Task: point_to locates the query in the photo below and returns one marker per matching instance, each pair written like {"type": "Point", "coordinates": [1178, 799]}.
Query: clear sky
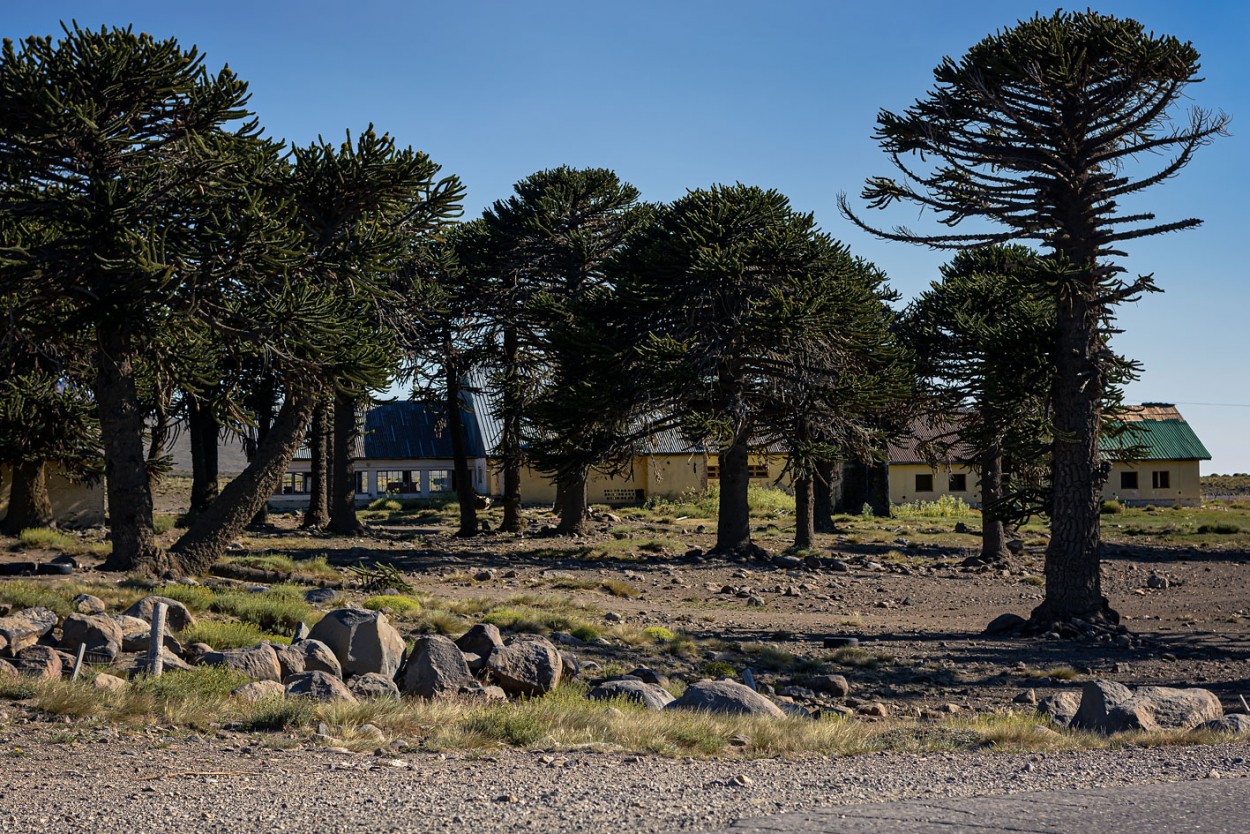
{"type": "Point", "coordinates": [676, 95]}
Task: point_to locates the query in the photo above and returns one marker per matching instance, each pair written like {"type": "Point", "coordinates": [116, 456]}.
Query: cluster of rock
{"type": "Point", "coordinates": [649, 689]}
{"type": "Point", "coordinates": [1109, 707]}
{"type": "Point", "coordinates": [1008, 625]}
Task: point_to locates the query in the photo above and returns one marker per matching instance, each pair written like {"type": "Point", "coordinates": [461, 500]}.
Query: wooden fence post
{"type": "Point", "coordinates": [156, 642]}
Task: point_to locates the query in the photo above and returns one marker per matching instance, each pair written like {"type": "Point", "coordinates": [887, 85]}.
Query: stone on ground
{"type": "Point", "coordinates": [834, 685]}
{"type": "Point", "coordinates": [109, 683]}
{"type": "Point", "coordinates": [319, 685]}
{"type": "Point", "coordinates": [307, 656]}
{"type": "Point", "coordinates": [1164, 708]}
{"type": "Point", "coordinates": [639, 692]}
{"type": "Point", "coordinates": [88, 604]}
{"type": "Point", "coordinates": [101, 635]}
{"type": "Point", "coordinates": [1098, 698]}
{"type": "Point", "coordinates": [363, 641]}
{"type": "Point", "coordinates": [24, 628]}
{"type": "Point", "coordinates": [259, 691]}
{"type": "Point", "coordinates": [1236, 723]}
{"type": "Point", "coordinates": [41, 662]}
{"type": "Point", "coordinates": [373, 685]}
{"type": "Point", "coordinates": [480, 640]}
{"type": "Point", "coordinates": [177, 615]}
{"type": "Point", "coordinates": [1060, 706]}
{"type": "Point", "coordinates": [727, 697]}
{"type": "Point", "coordinates": [529, 665]}
{"type": "Point", "coordinates": [1004, 623]}
{"type": "Point", "coordinates": [259, 662]}
{"type": "Point", "coordinates": [436, 668]}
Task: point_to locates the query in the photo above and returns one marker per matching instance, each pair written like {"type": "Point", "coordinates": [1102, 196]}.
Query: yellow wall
{"type": "Point", "coordinates": [1184, 486]}
{"type": "Point", "coordinates": [73, 504]}
{"type": "Point", "coordinates": [903, 483]}
{"type": "Point", "coordinates": [776, 464]}
{"type": "Point", "coordinates": [662, 476]}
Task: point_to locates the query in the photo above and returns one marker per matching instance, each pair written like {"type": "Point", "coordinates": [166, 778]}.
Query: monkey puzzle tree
{"type": "Point", "coordinates": [1042, 130]}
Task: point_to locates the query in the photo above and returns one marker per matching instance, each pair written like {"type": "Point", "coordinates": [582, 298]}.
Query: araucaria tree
{"type": "Point", "coordinates": [1042, 130]}
{"type": "Point", "coordinates": [750, 322]}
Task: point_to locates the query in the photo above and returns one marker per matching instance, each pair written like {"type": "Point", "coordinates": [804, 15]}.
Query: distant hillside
{"type": "Point", "coordinates": [1216, 486]}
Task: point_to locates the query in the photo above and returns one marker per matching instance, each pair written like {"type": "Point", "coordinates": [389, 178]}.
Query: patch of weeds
{"type": "Point", "coordinates": [1034, 580]}
{"type": "Point", "coordinates": [279, 713]}
{"type": "Point", "coordinates": [717, 669]}
{"type": "Point", "coordinates": [195, 597]}
{"type": "Point", "coordinates": [388, 504]}
{"type": "Point", "coordinates": [857, 658]}
{"type": "Point", "coordinates": [1058, 673]}
{"type": "Point", "coordinates": [1111, 508]}
{"type": "Point", "coordinates": [439, 622]}
{"type": "Point", "coordinates": [315, 567]}
{"type": "Point", "coordinates": [198, 682]}
{"type": "Point", "coordinates": [270, 611]}
{"type": "Point", "coordinates": [1218, 529]}
{"type": "Point", "coordinates": [659, 634]}
{"type": "Point", "coordinates": [620, 588]}
{"type": "Point", "coordinates": [42, 538]}
{"type": "Point", "coordinates": [947, 506]}
{"type": "Point", "coordinates": [507, 725]}
{"type": "Point", "coordinates": [226, 635]}
{"type": "Point", "coordinates": [769, 658]}
{"type": "Point", "coordinates": [25, 593]}
{"type": "Point", "coordinates": [163, 522]}
{"type": "Point", "coordinates": [395, 604]}
{"type": "Point", "coordinates": [585, 633]}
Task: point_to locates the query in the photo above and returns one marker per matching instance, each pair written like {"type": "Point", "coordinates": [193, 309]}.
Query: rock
{"type": "Point", "coordinates": [755, 602]}
{"type": "Point", "coordinates": [726, 697]}
{"type": "Point", "coordinates": [319, 685]}
{"type": "Point", "coordinates": [787, 561]}
{"type": "Point", "coordinates": [528, 666]}
{"type": "Point", "coordinates": [259, 691]}
{"type": "Point", "coordinates": [648, 675]}
{"type": "Point", "coordinates": [363, 641]}
{"type": "Point", "coordinates": [39, 662]}
{"type": "Point", "coordinates": [301, 633]}
{"type": "Point", "coordinates": [320, 596]}
{"type": "Point", "coordinates": [1004, 623]}
{"type": "Point", "coordinates": [177, 615]}
{"type": "Point", "coordinates": [1157, 582]}
{"type": "Point", "coordinates": [1236, 723]}
{"type": "Point", "coordinates": [840, 642]}
{"type": "Point", "coordinates": [307, 656]}
{"type": "Point", "coordinates": [171, 661]}
{"type": "Point", "coordinates": [7, 670]}
{"type": "Point", "coordinates": [480, 640]}
{"type": "Point", "coordinates": [876, 708]}
{"type": "Point", "coordinates": [373, 685]}
{"type": "Point", "coordinates": [570, 668]}
{"type": "Point", "coordinates": [834, 685]}
{"type": "Point", "coordinates": [1015, 546]}
{"type": "Point", "coordinates": [88, 604]}
{"type": "Point", "coordinates": [613, 617]}
{"type": "Point", "coordinates": [109, 683]}
{"type": "Point", "coordinates": [137, 634]}
{"type": "Point", "coordinates": [1098, 697]}
{"type": "Point", "coordinates": [1027, 696]}
{"type": "Point", "coordinates": [101, 635]}
{"type": "Point", "coordinates": [795, 710]}
{"type": "Point", "coordinates": [24, 628]}
{"type": "Point", "coordinates": [259, 662]}
{"type": "Point", "coordinates": [1164, 708]}
{"type": "Point", "coordinates": [645, 694]}
{"type": "Point", "coordinates": [195, 651]}
{"type": "Point", "coordinates": [436, 668]}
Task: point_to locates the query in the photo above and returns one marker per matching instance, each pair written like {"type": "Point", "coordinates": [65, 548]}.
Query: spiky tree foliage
{"type": "Point", "coordinates": [548, 242]}
{"type": "Point", "coordinates": [749, 318]}
{"type": "Point", "coordinates": [1042, 130]}
{"type": "Point", "coordinates": [983, 340]}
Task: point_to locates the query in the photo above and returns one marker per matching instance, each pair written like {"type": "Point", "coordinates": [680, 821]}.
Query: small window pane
{"type": "Point", "coordinates": [924, 483]}
{"type": "Point", "coordinates": [1161, 480]}
{"type": "Point", "coordinates": [959, 483]}
{"type": "Point", "coordinates": [1128, 480]}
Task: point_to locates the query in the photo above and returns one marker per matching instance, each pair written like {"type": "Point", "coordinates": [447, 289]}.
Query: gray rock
{"type": "Point", "coordinates": [480, 640]}
{"type": "Point", "coordinates": [101, 635]}
{"type": "Point", "coordinates": [109, 683]}
{"type": "Point", "coordinates": [726, 697]}
{"type": "Point", "coordinates": [1098, 698]}
{"type": "Point", "coordinates": [649, 675]}
{"type": "Point", "coordinates": [24, 628]}
{"type": "Point", "coordinates": [1235, 723]}
{"type": "Point", "coordinates": [569, 667]}
{"type": "Point", "coordinates": [171, 663]}
{"type": "Point", "coordinates": [307, 656]}
{"type": "Point", "coordinates": [137, 634]}
{"type": "Point", "coordinates": [301, 633]}
{"type": "Point", "coordinates": [320, 596]}
{"type": "Point", "coordinates": [363, 641]}
{"type": "Point", "coordinates": [436, 668]}
{"type": "Point", "coordinates": [530, 665]}
{"type": "Point", "coordinates": [259, 662]}
{"type": "Point", "coordinates": [88, 604]}
{"type": "Point", "coordinates": [177, 615]}
{"type": "Point", "coordinates": [795, 710]}
{"type": "Point", "coordinates": [259, 691]}
{"type": "Point", "coordinates": [1164, 708]}
{"type": "Point", "coordinates": [319, 685]}
{"type": "Point", "coordinates": [373, 685]}
{"type": "Point", "coordinates": [39, 662]}
{"type": "Point", "coordinates": [1004, 623]}
{"type": "Point", "coordinates": [834, 685]}
{"type": "Point", "coordinates": [7, 670]}
{"type": "Point", "coordinates": [647, 695]}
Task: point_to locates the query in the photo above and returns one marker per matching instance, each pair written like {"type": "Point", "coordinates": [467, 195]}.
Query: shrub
{"type": "Point", "coordinates": [1219, 529]}
{"type": "Point", "coordinates": [585, 633]}
{"type": "Point", "coordinates": [385, 504]}
{"type": "Point", "coordinates": [659, 634]}
{"type": "Point", "coordinates": [946, 506]}
{"type": "Point", "coordinates": [279, 713]}
{"type": "Point", "coordinates": [1111, 507]}
{"type": "Point", "coordinates": [270, 611]}
{"type": "Point", "coordinates": [719, 669]}
{"type": "Point", "coordinates": [393, 602]}
{"type": "Point", "coordinates": [162, 522]}
{"type": "Point", "coordinates": [226, 635]}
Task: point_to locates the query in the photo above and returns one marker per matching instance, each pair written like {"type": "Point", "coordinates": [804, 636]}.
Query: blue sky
{"type": "Point", "coordinates": [676, 95]}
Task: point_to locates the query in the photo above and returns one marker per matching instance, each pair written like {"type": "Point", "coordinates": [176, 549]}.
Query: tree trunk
{"type": "Point", "coordinates": [343, 518]}
{"type": "Point", "coordinates": [804, 507]}
{"type": "Point", "coordinates": [203, 429]}
{"type": "Point", "coordinates": [29, 505]}
{"type": "Point", "coordinates": [993, 531]}
{"type": "Point", "coordinates": [510, 434]}
{"type": "Point", "coordinates": [1073, 579]}
{"type": "Point", "coordinates": [877, 489]}
{"type": "Point", "coordinates": [854, 488]}
{"type": "Point", "coordinates": [159, 437]}
{"type": "Point", "coordinates": [733, 522]}
{"type": "Point", "coordinates": [263, 401]}
{"type": "Point", "coordinates": [202, 545]}
{"type": "Point", "coordinates": [318, 513]}
{"type": "Point", "coordinates": [572, 508]}
{"type": "Point", "coordinates": [466, 495]}
{"type": "Point", "coordinates": [822, 497]}
{"type": "Point", "coordinates": [125, 466]}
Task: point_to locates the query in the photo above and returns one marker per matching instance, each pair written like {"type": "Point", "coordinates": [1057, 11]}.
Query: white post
{"type": "Point", "coordinates": [82, 650]}
{"type": "Point", "coordinates": [156, 641]}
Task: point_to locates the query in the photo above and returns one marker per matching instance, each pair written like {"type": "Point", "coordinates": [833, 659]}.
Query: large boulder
{"type": "Point", "coordinates": [1061, 707]}
{"type": "Point", "coordinates": [480, 640]}
{"type": "Point", "coordinates": [307, 656]}
{"type": "Point", "coordinates": [259, 662]}
{"type": "Point", "coordinates": [373, 685]}
{"type": "Point", "coordinates": [1236, 723]}
{"type": "Point", "coordinates": [1164, 708]}
{"type": "Point", "coordinates": [727, 697]}
{"type": "Point", "coordinates": [436, 668]}
{"type": "Point", "coordinates": [363, 641]}
{"type": "Point", "coordinates": [24, 628]}
{"type": "Point", "coordinates": [258, 691]}
{"type": "Point", "coordinates": [645, 694]}
{"type": "Point", "coordinates": [529, 665]}
{"type": "Point", "coordinates": [137, 634]}
{"type": "Point", "coordinates": [88, 604]}
{"type": "Point", "coordinates": [39, 662]}
{"type": "Point", "coordinates": [101, 635]}
{"type": "Point", "coordinates": [1099, 697]}
{"type": "Point", "coordinates": [109, 683]}
{"type": "Point", "coordinates": [177, 615]}
{"type": "Point", "coordinates": [834, 685]}
{"type": "Point", "coordinates": [319, 685]}
{"type": "Point", "coordinates": [170, 662]}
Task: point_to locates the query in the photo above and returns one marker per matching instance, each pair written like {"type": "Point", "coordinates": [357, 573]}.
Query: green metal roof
{"type": "Point", "coordinates": [1170, 439]}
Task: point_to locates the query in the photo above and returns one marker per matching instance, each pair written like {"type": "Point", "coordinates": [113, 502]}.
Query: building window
{"type": "Point", "coordinates": [958, 483]}
{"type": "Point", "coordinates": [295, 483]}
{"type": "Point", "coordinates": [924, 483]}
{"type": "Point", "coordinates": [362, 483]}
{"type": "Point", "coordinates": [757, 470]}
{"type": "Point", "coordinates": [399, 482]}
{"type": "Point", "coordinates": [713, 471]}
{"type": "Point", "coordinates": [1161, 480]}
{"type": "Point", "coordinates": [1128, 480]}
{"type": "Point", "coordinates": [440, 480]}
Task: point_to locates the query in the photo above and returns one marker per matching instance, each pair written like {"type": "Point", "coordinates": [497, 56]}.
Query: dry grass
{"type": "Point", "coordinates": [42, 538]}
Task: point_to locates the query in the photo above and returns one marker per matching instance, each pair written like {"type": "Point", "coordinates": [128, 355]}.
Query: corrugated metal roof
{"type": "Point", "coordinates": [924, 432]}
{"type": "Point", "coordinates": [407, 430]}
{"type": "Point", "coordinates": [1148, 439]}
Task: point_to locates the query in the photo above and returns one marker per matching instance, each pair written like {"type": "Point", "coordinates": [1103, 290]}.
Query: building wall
{"type": "Point", "coordinates": [376, 481]}
{"type": "Point", "coordinates": [651, 476]}
{"type": "Point", "coordinates": [74, 504]}
{"type": "Point", "coordinates": [1184, 486]}
{"type": "Point", "coordinates": [903, 483]}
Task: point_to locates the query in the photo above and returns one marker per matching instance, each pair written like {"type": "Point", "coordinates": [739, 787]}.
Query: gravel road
{"type": "Point", "coordinates": [232, 785]}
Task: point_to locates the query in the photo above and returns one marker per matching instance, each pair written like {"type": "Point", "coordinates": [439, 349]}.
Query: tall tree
{"type": "Point", "coordinates": [1041, 129]}
{"type": "Point", "coordinates": [741, 309]}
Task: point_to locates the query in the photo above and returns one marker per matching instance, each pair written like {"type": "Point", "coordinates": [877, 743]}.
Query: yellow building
{"type": "Point", "coordinates": [74, 503]}
{"type": "Point", "coordinates": [1154, 457]}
